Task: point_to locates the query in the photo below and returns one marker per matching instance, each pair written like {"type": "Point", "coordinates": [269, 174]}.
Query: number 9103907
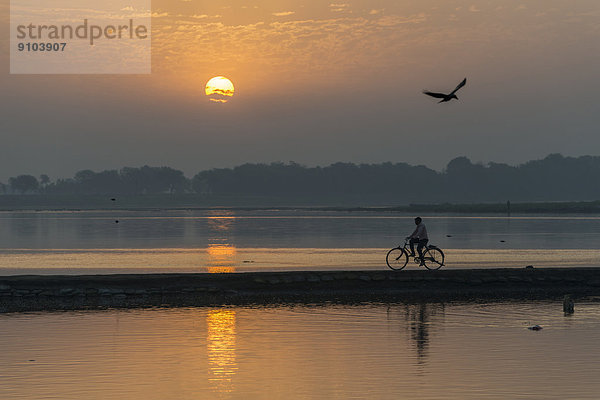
{"type": "Point", "coordinates": [41, 46]}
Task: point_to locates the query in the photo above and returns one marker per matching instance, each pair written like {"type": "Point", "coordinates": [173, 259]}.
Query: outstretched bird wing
{"type": "Point", "coordinates": [433, 94]}
{"type": "Point", "coordinates": [463, 83]}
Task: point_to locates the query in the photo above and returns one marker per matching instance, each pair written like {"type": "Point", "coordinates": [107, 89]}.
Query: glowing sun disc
{"type": "Point", "coordinates": [219, 89]}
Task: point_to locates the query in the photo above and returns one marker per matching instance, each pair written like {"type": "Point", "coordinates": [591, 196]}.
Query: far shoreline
{"type": "Point", "coordinates": [353, 204]}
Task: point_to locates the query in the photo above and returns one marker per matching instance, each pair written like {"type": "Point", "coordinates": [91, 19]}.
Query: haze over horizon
{"type": "Point", "coordinates": [317, 83]}
{"type": "Point", "coordinates": [278, 163]}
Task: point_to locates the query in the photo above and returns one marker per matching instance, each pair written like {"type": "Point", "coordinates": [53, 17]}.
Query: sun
{"type": "Point", "coordinates": [219, 89]}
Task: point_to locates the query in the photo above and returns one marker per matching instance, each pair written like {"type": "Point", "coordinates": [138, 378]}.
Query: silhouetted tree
{"type": "Point", "coordinates": [146, 180]}
{"type": "Point", "coordinates": [90, 182]}
{"type": "Point", "coordinates": [44, 179]}
{"type": "Point", "coordinates": [24, 183]}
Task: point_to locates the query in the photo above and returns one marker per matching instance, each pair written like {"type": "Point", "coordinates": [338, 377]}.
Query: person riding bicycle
{"type": "Point", "coordinates": [419, 236]}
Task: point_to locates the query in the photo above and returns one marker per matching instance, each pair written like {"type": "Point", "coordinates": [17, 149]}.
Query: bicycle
{"type": "Point", "coordinates": [397, 258]}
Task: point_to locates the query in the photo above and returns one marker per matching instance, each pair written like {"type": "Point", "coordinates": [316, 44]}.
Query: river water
{"type": "Point", "coordinates": [320, 351]}
{"type": "Point", "coordinates": [237, 241]}
{"type": "Point", "coordinates": [367, 351]}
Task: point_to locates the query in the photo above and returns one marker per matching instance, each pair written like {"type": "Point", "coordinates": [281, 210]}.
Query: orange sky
{"type": "Point", "coordinates": [271, 45]}
{"type": "Point", "coordinates": [320, 82]}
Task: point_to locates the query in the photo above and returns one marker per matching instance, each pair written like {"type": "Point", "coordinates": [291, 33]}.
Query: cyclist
{"type": "Point", "coordinates": [419, 236]}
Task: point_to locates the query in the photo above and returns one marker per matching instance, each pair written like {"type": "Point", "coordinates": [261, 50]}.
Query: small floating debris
{"type": "Point", "coordinates": [535, 328]}
{"type": "Point", "coordinates": [247, 261]}
{"type": "Point", "coordinates": [529, 267]}
{"type": "Point", "coordinates": [448, 235]}
{"type": "Point", "coordinates": [503, 241]}
{"type": "Point", "coordinates": [116, 221]}
{"type": "Point", "coordinates": [113, 199]}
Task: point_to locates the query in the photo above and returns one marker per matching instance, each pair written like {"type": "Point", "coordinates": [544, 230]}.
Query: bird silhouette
{"type": "Point", "coordinates": [446, 97]}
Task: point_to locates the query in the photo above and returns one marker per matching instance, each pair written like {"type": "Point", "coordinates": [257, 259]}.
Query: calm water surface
{"type": "Point", "coordinates": [228, 241]}
{"type": "Point", "coordinates": [379, 351]}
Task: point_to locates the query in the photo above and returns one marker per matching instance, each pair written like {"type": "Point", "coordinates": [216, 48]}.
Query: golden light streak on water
{"type": "Point", "coordinates": [221, 258]}
{"type": "Point", "coordinates": [221, 221]}
{"type": "Point", "coordinates": [221, 254]}
{"type": "Point", "coordinates": [221, 349]}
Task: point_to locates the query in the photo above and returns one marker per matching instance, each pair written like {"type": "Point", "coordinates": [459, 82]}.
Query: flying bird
{"type": "Point", "coordinates": [446, 97]}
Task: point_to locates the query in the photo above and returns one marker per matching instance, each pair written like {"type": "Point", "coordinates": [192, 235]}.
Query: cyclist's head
{"type": "Point", "coordinates": [418, 220]}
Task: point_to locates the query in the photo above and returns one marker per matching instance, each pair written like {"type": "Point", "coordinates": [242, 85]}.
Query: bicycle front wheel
{"type": "Point", "coordinates": [396, 258]}
{"type": "Point", "coordinates": [434, 258]}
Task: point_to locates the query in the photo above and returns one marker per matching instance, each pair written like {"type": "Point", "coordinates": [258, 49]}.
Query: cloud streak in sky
{"type": "Point", "coordinates": [284, 13]}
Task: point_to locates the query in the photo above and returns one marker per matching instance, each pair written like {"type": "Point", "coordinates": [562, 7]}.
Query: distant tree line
{"type": "Point", "coordinates": [554, 178]}
{"type": "Point", "coordinates": [132, 181]}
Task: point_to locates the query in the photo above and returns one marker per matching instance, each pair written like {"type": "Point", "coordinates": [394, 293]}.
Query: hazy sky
{"type": "Point", "coordinates": [319, 82]}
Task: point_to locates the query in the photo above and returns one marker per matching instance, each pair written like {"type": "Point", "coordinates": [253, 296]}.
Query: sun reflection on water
{"type": "Point", "coordinates": [221, 254]}
{"type": "Point", "coordinates": [221, 347]}
{"type": "Point", "coordinates": [221, 258]}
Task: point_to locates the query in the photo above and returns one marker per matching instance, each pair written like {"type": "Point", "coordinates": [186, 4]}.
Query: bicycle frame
{"type": "Point", "coordinates": [406, 249]}
{"type": "Point", "coordinates": [433, 257]}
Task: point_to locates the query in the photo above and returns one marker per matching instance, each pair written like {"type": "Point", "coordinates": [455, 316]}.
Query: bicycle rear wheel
{"type": "Point", "coordinates": [433, 258]}
{"type": "Point", "coordinates": [396, 258]}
